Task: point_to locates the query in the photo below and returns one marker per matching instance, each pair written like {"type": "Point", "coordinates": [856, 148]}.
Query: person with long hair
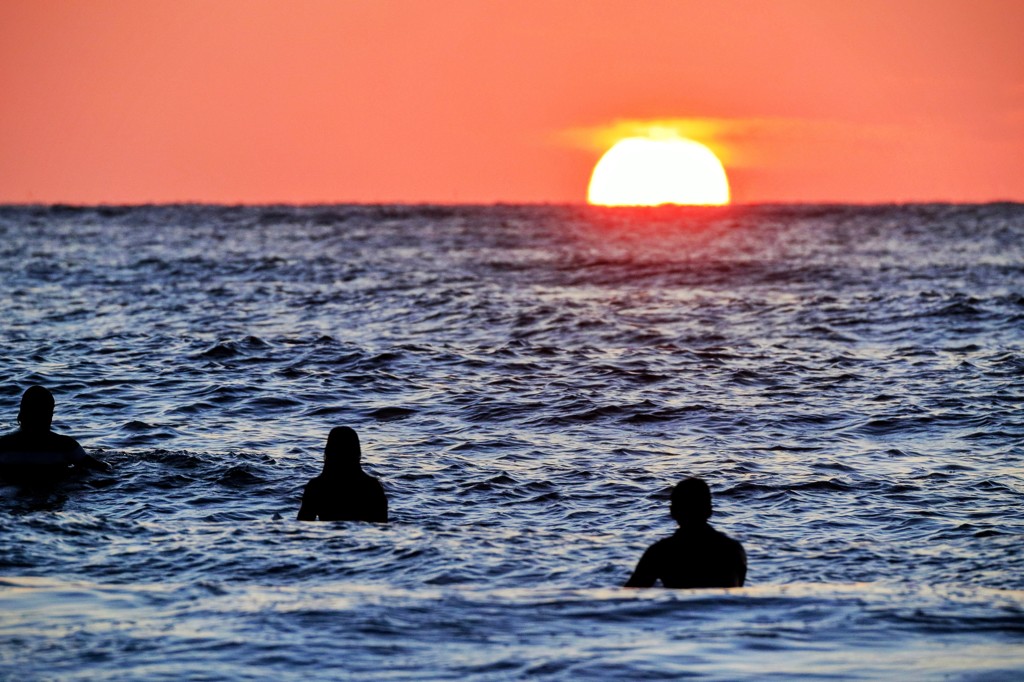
{"type": "Point", "coordinates": [343, 491]}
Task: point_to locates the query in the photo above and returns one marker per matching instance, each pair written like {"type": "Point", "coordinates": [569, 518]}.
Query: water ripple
{"type": "Point", "coordinates": [528, 383]}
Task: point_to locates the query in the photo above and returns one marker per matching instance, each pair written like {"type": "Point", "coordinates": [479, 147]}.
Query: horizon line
{"type": "Point", "coordinates": [495, 204]}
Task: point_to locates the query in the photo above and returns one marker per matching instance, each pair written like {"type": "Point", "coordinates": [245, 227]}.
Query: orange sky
{"type": "Point", "coordinates": [482, 101]}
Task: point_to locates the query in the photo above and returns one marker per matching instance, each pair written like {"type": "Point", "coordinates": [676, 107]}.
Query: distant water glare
{"type": "Point", "coordinates": [528, 384]}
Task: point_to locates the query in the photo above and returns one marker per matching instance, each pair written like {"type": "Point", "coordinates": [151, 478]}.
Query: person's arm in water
{"type": "Point", "coordinates": [379, 509]}
{"type": "Point", "coordinates": [741, 569]}
{"type": "Point", "coordinates": [307, 511]}
{"type": "Point", "coordinates": [81, 459]}
{"type": "Point", "coordinates": [646, 573]}
{"type": "Point", "coordinates": [91, 462]}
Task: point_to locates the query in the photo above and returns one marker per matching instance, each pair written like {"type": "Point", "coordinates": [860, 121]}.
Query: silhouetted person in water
{"type": "Point", "coordinates": [36, 452]}
{"type": "Point", "coordinates": [343, 491]}
{"type": "Point", "coordinates": [697, 555]}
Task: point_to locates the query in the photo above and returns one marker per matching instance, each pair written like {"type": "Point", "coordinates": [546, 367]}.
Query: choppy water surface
{"type": "Point", "coordinates": [528, 383]}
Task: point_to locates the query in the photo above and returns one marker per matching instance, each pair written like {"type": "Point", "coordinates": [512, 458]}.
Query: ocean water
{"type": "Point", "coordinates": [528, 383]}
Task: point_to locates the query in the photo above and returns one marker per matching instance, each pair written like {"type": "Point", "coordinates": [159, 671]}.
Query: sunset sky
{"type": "Point", "coordinates": [129, 101]}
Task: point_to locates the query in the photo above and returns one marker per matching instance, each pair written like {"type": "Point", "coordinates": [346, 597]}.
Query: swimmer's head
{"type": "Point", "coordinates": [342, 448]}
{"type": "Point", "coordinates": [691, 500]}
{"type": "Point", "coordinates": [36, 412]}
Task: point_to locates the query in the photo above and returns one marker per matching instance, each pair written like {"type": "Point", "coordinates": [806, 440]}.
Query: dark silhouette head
{"type": "Point", "coordinates": [342, 450]}
{"type": "Point", "coordinates": [36, 412]}
{"type": "Point", "coordinates": [691, 501]}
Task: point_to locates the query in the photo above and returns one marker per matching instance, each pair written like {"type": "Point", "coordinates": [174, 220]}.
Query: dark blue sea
{"type": "Point", "coordinates": [528, 383]}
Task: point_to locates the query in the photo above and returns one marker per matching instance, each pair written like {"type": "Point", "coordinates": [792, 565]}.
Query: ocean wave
{"type": "Point", "coordinates": [528, 383]}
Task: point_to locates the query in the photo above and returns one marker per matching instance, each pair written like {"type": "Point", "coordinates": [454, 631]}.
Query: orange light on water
{"type": "Point", "coordinates": [639, 171]}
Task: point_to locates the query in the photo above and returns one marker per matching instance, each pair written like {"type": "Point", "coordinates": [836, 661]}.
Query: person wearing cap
{"type": "Point", "coordinates": [36, 450]}
{"type": "Point", "coordinates": [343, 491]}
{"type": "Point", "coordinates": [697, 555]}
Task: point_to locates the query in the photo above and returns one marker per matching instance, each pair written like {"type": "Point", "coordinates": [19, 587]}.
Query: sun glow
{"type": "Point", "coordinates": [641, 171]}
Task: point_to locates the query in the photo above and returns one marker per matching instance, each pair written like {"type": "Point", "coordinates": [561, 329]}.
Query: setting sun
{"type": "Point", "coordinates": [640, 171]}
